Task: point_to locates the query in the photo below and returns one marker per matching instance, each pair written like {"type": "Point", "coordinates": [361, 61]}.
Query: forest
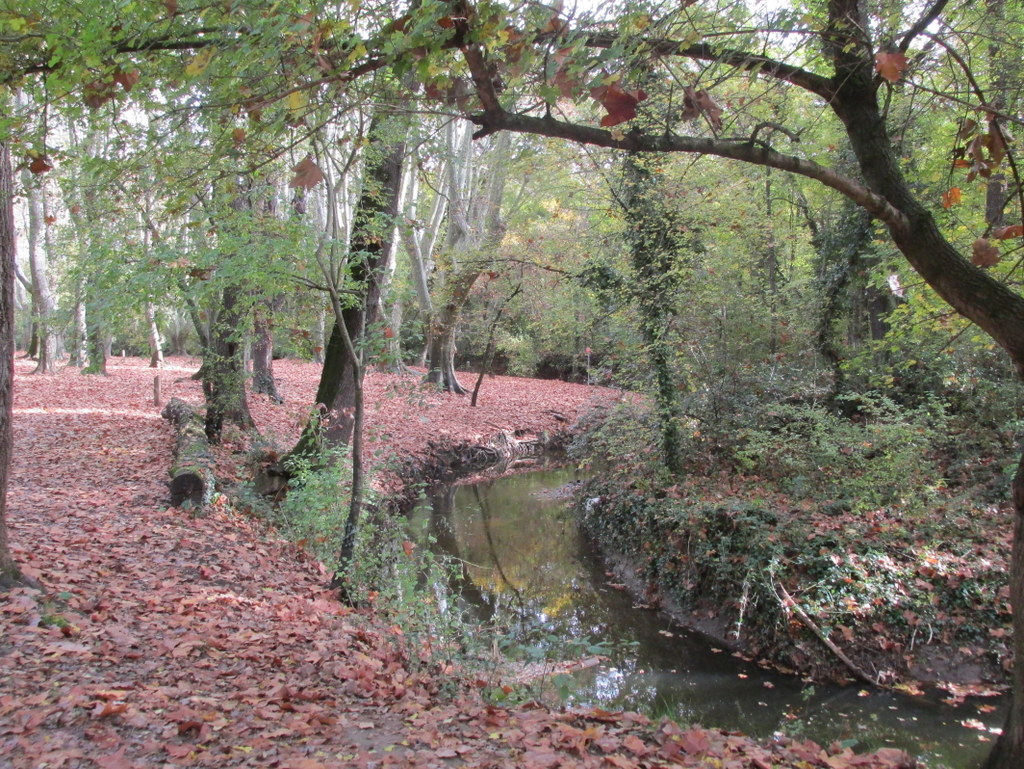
{"type": "Point", "coordinates": [755, 265]}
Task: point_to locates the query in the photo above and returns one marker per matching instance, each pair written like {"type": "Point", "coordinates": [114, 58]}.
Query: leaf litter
{"type": "Point", "coordinates": [163, 640]}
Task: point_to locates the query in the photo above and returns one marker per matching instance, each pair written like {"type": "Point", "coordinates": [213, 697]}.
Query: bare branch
{"type": "Point", "coordinates": [922, 24]}
{"type": "Point", "coordinates": [742, 60]}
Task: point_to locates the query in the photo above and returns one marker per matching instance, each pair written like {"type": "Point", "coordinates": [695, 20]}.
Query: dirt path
{"type": "Point", "coordinates": [163, 640]}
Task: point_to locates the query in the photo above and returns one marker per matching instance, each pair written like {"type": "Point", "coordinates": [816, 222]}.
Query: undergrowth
{"type": "Point", "coordinates": [398, 574]}
{"type": "Point", "coordinates": [849, 517]}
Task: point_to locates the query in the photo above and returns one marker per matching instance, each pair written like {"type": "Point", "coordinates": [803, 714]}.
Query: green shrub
{"type": "Point", "coordinates": [314, 511]}
{"type": "Point", "coordinates": [885, 455]}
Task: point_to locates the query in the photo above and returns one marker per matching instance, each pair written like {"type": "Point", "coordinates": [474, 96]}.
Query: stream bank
{"type": "Point", "coordinates": [826, 597]}
{"type": "Point", "coordinates": [530, 572]}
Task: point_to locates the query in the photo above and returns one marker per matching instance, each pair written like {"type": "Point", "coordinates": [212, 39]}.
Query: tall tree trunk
{"type": "Point", "coordinates": [9, 573]}
{"type": "Point", "coordinates": [993, 306]}
{"type": "Point", "coordinates": [97, 341]}
{"type": "Point", "coordinates": [393, 350]}
{"type": "Point", "coordinates": [79, 333]}
{"type": "Point", "coordinates": [369, 251]}
{"type": "Point", "coordinates": [263, 348]}
{"type": "Point", "coordinates": [442, 333]}
{"type": "Point", "coordinates": [653, 236]}
{"type": "Point", "coordinates": [44, 338]}
{"type": "Point", "coordinates": [224, 374]}
{"type": "Point", "coordinates": [420, 243]}
{"type": "Point", "coordinates": [42, 298]}
{"type": "Point", "coordinates": [996, 193]}
{"type": "Point", "coordinates": [475, 231]}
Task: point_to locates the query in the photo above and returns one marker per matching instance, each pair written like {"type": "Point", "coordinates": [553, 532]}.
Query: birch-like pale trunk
{"type": "Point", "coordinates": [156, 342]}
{"type": "Point", "coordinates": [475, 188]}
{"type": "Point", "coordinates": [42, 297]}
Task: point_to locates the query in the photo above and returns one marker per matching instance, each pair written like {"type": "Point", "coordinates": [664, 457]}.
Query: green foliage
{"type": "Point", "coordinates": [314, 511]}
{"type": "Point", "coordinates": [884, 456]}
{"type": "Point", "coordinates": [623, 443]}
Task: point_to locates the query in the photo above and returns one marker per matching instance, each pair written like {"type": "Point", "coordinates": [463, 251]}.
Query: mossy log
{"type": "Point", "coordinates": [192, 476]}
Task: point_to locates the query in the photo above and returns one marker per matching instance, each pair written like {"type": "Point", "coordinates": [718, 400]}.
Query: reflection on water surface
{"type": "Point", "coordinates": [527, 567]}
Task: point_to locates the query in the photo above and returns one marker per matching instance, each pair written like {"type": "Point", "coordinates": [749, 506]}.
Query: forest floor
{"type": "Point", "coordinates": [160, 639]}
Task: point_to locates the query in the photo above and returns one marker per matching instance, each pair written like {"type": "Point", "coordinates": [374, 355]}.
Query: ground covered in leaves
{"type": "Point", "coordinates": [162, 639]}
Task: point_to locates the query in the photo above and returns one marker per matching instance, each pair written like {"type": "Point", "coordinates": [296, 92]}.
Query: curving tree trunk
{"type": "Point", "coordinates": [476, 228]}
{"type": "Point", "coordinates": [441, 348]}
{"type": "Point", "coordinates": [851, 92]}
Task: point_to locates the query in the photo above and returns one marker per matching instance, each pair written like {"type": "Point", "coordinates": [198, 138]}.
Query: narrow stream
{"type": "Point", "coordinates": [527, 568]}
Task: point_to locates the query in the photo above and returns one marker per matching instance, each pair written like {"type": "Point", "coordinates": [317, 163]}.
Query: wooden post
{"type": "Point", "coordinates": [156, 391]}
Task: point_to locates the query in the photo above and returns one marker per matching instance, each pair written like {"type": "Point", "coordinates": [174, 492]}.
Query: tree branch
{"type": "Point", "coordinates": [742, 60]}
{"type": "Point", "coordinates": [744, 150]}
{"type": "Point", "coordinates": [922, 24]}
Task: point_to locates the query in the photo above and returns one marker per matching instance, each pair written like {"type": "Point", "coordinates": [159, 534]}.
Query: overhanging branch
{"type": "Point", "coordinates": [742, 150]}
{"type": "Point", "coordinates": [742, 60]}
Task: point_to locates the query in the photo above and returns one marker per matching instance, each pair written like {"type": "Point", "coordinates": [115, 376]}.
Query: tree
{"type": "Point", "coordinates": [658, 243]}
{"type": "Point", "coordinates": [9, 573]}
{"type": "Point", "coordinates": [860, 74]}
{"type": "Point", "coordinates": [531, 71]}
{"type": "Point", "coordinates": [475, 187]}
{"type": "Point", "coordinates": [42, 297]}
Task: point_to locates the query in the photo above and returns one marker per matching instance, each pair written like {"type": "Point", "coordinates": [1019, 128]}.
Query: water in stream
{"type": "Point", "coordinates": [527, 568]}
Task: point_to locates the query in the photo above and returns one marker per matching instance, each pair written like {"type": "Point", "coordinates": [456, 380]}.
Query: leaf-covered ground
{"type": "Point", "coordinates": [162, 640]}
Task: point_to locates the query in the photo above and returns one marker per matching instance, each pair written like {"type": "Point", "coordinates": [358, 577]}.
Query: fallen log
{"type": "Point", "coordinates": [192, 476]}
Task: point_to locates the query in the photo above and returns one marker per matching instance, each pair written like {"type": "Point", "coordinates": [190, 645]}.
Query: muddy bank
{"type": "Point", "coordinates": [784, 588]}
{"type": "Point", "coordinates": [448, 459]}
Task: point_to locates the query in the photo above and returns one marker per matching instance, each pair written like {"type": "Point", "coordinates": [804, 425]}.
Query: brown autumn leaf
{"type": "Point", "coordinates": [397, 25]}
{"type": "Point", "coordinates": [116, 760]}
{"type": "Point", "coordinates": [566, 84]}
{"type": "Point", "coordinates": [107, 709]}
{"type": "Point", "coordinates": [967, 129]}
{"type": "Point", "coordinates": [636, 746]}
{"type": "Point", "coordinates": [40, 164]}
{"type": "Point", "coordinates": [951, 197]}
{"type": "Point", "coordinates": [127, 80]}
{"type": "Point", "coordinates": [694, 741]}
{"type": "Point", "coordinates": [690, 109]}
{"type": "Point", "coordinates": [1005, 233]}
{"type": "Point", "coordinates": [97, 93]}
{"type": "Point", "coordinates": [619, 103]}
{"type": "Point", "coordinates": [996, 143]}
{"type": "Point", "coordinates": [307, 174]}
{"type": "Point", "coordinates": [891, 65]}
{"type": "Point", "coordinates": [709, 107]}
{"type": "Point", "coordinates": [555, 26]}
{"type": "Point", "coordinates": [984, 254]}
